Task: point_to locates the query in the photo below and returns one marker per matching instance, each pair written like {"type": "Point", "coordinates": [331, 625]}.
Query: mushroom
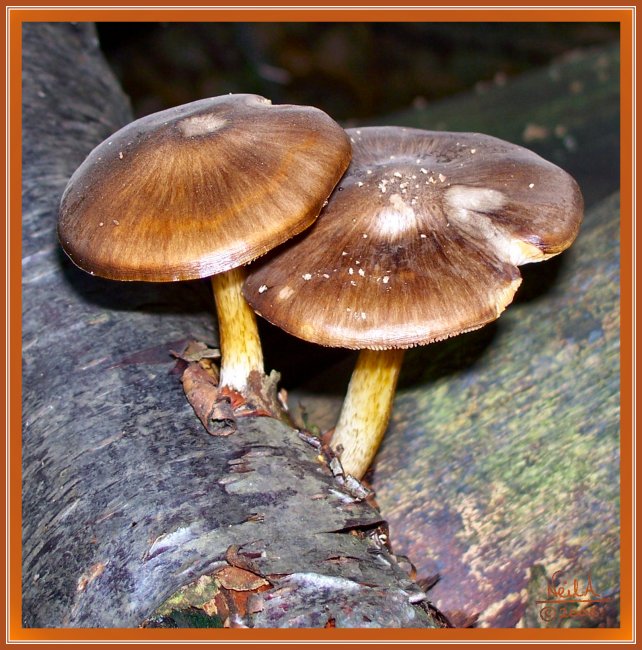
{"type": "Point", "coordinates": [420, 241]}
{"type": "Point", "coordinates": [198, 191]}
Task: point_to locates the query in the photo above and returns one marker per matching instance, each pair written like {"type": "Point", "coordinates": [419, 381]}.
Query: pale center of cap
{"type": "Point", "coordinates": [397, 219]}
{"type": "Point", "coordinates": [200, 125]}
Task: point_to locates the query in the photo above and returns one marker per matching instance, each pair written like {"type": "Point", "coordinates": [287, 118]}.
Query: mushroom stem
{"type": "Point", "coordinates": [239, 341]}
{"type": "Point", "coordinates": [366, 409]}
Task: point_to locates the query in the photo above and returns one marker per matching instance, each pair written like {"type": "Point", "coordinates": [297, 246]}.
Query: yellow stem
{"type": "Point", "coordinates": [239, 341]}
{"type": "Point", "coordinates": [366, 409]}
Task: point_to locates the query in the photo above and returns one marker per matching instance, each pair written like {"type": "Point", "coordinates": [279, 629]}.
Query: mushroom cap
{"type": "Point", "coordinates": [201, 188]}
{"type": "Point", "coordinates": [419, 241]}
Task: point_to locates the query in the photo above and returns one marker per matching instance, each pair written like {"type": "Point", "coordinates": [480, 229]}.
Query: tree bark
{"type": "Point", "coordinates": [127, 500]}
{"type": "Point", "coordinates": [501, 463]}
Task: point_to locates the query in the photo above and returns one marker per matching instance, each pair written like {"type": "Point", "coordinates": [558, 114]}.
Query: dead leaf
{"type": "Point", "coordinates": [213, 410]}
{"type": "Point", "coordinates": [239, 579]}
{"type": "Point", "coordinates": [241, 406]}
{"type": "Point", "coordinates": [235, 557]}
{"type": "Point", "coordinates": [197, 350]}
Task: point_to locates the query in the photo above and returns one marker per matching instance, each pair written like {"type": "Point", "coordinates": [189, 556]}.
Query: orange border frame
{"type": "Point", "coordinates": [14, 17]}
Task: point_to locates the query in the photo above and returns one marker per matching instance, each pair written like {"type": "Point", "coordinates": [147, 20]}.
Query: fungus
{"type": "Point", "coordinates": [439, 261]}
{"type": "Point", "coordinates": [198, 191]}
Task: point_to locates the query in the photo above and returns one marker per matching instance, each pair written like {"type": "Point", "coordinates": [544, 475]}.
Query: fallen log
{"type": "Point", "coordinates": [128, 503]}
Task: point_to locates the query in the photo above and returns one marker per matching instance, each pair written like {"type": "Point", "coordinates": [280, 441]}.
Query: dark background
{"type": "Point", "coordinates": [353, 71]}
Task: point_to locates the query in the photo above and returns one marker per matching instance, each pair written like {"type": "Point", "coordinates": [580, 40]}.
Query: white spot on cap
{"type": "Point", "coordinates": [362, 273]}
{"type": "Point", "coordinates": [200, 125]}
{"type": "Point", "coordinates": [442, 178]}
{"type": "Point", "coordinates": [307, 276]}
{"type": "Point", "coordinates": [395, 220]}
{"type": "Point", "coordinates": [397, 174]}
{"type": "Point", "coordinates": [531, 185]}
{"type": "Point", "coordinates": [385, 279]}
{"type": "Point", "coordinates": [120, 155]}
{"type": "Point", "coordinates": [423, 170]}
{"type": "Point", "coordinates": [363, 315]}
{"type": "Point", "coordinates": [351, 271]}
{"type": "Point", "coordinates": [471, 208]}
{"type": "Point", "coordinates": [285, 293]}
{"type": "Point", "coordinates": [480, 199]}
{"type": "Point", "coordinates": [263, 288]}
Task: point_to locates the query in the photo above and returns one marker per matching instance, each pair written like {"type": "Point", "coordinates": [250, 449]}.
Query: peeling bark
{"type": "Point", "coordinates": [126, 499]}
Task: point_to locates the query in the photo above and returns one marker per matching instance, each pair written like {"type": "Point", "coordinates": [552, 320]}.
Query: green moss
{"type": "Point", "coordinates": [513, 449]}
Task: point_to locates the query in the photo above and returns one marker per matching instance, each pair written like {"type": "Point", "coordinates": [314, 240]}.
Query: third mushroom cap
{"type": "Point", "coordinates": [420, 241]}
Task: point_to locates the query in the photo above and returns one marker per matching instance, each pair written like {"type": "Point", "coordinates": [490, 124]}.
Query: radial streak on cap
{"type": "Point", "coordinates": [200, 188]}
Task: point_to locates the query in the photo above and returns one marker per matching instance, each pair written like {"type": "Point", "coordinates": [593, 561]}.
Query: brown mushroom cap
{"type": "Point", "coordinates": [420, 240]}
{"type": "Point", "coordinates": [201, 188]}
